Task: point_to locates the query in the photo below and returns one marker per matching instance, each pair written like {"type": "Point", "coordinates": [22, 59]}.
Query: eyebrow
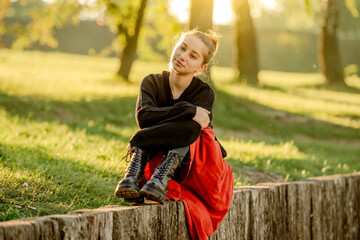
{"type": "Point", "coordinates": [192, 50]}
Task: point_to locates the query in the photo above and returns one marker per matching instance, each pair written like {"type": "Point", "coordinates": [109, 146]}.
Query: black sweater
{"type": "Point", "coordinates": [166, 123]}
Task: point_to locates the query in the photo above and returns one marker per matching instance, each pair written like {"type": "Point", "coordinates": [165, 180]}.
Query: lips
{"type": "Point", "coordinates": [178, 63]}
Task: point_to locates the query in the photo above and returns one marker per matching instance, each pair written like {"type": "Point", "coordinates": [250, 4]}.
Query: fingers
{"type": "Point", "coordinates": [205, 118]}
{"type": "Point", "coordinates": [205, 110]}
{"type": "Point", "coordinates": [205, 122]}
{"type": "Point", "coordinates": [202, 117]}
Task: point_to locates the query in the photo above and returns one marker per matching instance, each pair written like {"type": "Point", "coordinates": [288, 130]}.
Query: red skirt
{"type": "Point", "coordinates": [207, 186]}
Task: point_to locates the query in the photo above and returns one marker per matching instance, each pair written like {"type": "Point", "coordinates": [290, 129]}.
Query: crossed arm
{"type": "Point", "coordinates": [172, 126]}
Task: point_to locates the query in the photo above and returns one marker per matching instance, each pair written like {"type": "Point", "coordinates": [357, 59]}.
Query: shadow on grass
{"type": "Point", "coordinates": [279, 166]}
{"type": "Point", "coordinates": [92, 116]}
{"type": "Point", "coordinates": [55, 184]}
{"type": "Point", "coordinates": [339, 87]}
{"type": "Point", "coordinates": [232, 113]}
{"type": "Point", "coordinates": [302, 93]}
{"type": "Point", "coordinates": [271, 88]}
{"type": "Point", "coordinates": [276, 127]}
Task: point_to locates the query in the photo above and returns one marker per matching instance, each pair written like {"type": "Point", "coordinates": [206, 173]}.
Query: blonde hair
{"type": "Point", "coordinates": [210, 40]}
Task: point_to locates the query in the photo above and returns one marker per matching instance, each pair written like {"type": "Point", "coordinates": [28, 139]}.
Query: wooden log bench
{"type": "Point", "coordinates": [317, 208]}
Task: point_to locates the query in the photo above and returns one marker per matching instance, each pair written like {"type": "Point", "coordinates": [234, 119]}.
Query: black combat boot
{"type": "Point", "coordinates": [156, 188]}
{"type": "Point", "coordinates": [128, 188]}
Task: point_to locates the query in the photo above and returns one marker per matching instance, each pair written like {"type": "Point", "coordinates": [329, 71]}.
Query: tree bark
{"type": "Point", "coordinates": [129, 52]}
{"type": "Point", "coordinates": [328, 53]}
{"type": "Point", "coordinates": [245, 59]}
{"type": "Point", "coordinates": [4, 5]}
{"type": "Point", "coordinates": [201, 12]}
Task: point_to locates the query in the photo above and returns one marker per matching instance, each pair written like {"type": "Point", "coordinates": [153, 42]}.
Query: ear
{"type": "Point", "coordinates": [202, 67]}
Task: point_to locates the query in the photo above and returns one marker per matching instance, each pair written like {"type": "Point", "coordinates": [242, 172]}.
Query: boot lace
{"type": "Point", "coordinates": [163, 168]}
{"type": "Point", "coordinates": [135, 163]}
{"type": "Point", "coordinates": [129, 152]}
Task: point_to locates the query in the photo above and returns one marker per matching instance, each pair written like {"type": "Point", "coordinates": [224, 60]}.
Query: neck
{"type": "Point", "coordinates": [178, 83]}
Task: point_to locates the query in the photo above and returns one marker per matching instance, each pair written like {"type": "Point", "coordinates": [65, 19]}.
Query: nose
{"type": "Point", "coordinates": [182, 56]}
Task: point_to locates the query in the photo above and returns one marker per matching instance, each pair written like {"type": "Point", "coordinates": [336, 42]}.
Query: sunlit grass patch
{"type": "Point", "coordinates": [290, 96]}
{"type": "Point", "coordinates": [292, 160]}
{"type": "Point", "coordinates": [291, 79]}
{"type": "Point", "coordinates": [279, 158]}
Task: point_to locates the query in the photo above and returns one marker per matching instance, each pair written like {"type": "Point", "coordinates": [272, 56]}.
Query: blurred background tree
{"type": "Point", "coordinates": [36, 20]}
{"type": "Point", "coordinates": [329, 56]}
{"type": "Point", "coordinates": [127, 16]}
{"type": "Point", "coordinates": [32, 23]}
{"type": "Point", "coordinates": [245, 47]}
{"type": "Point", "coordinates": [157, 36]}
{"type": "Point", "coordinates": [201, 17]}
{"type": "Point", "coordinates": [4, 5]}
{"type": "Point", "coordinates": [201, 13]}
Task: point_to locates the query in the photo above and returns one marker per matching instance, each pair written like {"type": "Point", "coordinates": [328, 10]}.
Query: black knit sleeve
{"type": "Point", "coordinates": [147, 111]}
{"type": "Point", "coordinates": [204, 98]}
{"type": "Point", "coordinates": [172, 132]}
{"type": "Point", "coordinates": [167, 135]}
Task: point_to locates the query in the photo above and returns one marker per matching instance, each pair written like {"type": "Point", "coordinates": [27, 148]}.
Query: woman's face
{"type": "Point", "coordinates": [188, 56]}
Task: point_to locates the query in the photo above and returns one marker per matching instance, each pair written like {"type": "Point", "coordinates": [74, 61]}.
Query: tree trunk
{"type": "Point", "coordinates": [245, 59]}
{"type": "Point", "coordinates": [201, 14]}
{"type": "Point", "coordinates": [129, 52]}
{"type": "Point", "coordinates": [328, 52]}
{"type": "Point", "coordinates": [201, 17]}
{"type": "Point", "coordinates": [4, 5]}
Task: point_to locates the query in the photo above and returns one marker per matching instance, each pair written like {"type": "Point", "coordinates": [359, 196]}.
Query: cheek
{"type": "Point", "coordinates": [174, 52]}
{"type": "Point", "coordinates": [196, 63]}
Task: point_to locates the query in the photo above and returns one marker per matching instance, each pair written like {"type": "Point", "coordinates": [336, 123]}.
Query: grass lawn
{"type": "Point", "coordinates": [65, 121]}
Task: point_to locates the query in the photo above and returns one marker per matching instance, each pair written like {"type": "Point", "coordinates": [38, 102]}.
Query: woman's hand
{"type": "Point", "coordinates": [202, 117]}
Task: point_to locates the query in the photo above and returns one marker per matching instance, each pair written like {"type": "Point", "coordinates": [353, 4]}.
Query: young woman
{"type": "Point", "coordinates": [174, 112]}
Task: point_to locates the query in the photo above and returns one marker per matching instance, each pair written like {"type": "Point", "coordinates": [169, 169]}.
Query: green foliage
{"type": "Point", "coordinates": [352, 5]}
{"type": "Point", "coordinates": [38, 20]}
{"type": "Point", "coordinates": [4, 5]}
{"type": "Point", "coordinates": [349, 16]}
{"type": "Point", "coordinates": [65, 122]}
{"type": "Point", "coordinates": [42, 18]}
{"type": "Point", "coordinates": [157, 39]}
{"type": "Point", "coordinates": [158, 27]}
{"type": "Point", "coordinates": [121, 13]}
{"type": "Point", "coordinates": [306, 15]}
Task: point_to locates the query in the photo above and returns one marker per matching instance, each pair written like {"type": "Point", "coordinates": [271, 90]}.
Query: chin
{"type": "Point", "coordinates": [175, 68]}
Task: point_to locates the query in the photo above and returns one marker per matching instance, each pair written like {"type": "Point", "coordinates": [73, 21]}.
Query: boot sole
{"type": "Point", "coordinates": [152, 194]}
{"type": "Point", "coordinates": [128, 193]}
{"type": "Point", "coordinates": [135, 200]}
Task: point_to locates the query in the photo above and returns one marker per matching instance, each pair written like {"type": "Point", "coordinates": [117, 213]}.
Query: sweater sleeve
{"type": "Point", "coordinates": [167, 135]}
{"type": "Point", "coordinates": [174, 132]}
{"type": "Point", "coordinates": [147, 111]}
{"type": "Point", "coordinates": [204, 98]}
